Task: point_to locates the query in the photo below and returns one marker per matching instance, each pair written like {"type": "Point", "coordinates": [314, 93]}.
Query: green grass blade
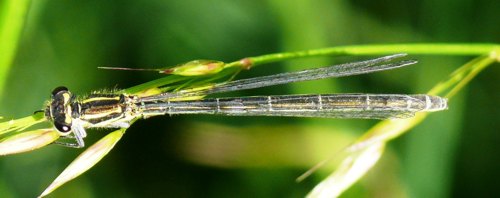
{"type": "Point", "coordinates": [86, 160]}
{"type": "Point", "coordinates": [246, 63]}
{"type": "Point", "coordinates": [27, 141]}
{"type": "Point", "coordinates": [12, 19]}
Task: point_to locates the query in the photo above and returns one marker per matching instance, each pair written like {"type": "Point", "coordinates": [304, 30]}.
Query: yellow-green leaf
{"type": "Point", "coordinates": [27, 141]}
{"type": "Point", "coordinates": [21, 123]}
{"type": "Point", "coordinates": [196, 68]}
{"type": "Point", "coordinates": [86, 160]}
{"type": "Point", "coordinates": [351, 169]}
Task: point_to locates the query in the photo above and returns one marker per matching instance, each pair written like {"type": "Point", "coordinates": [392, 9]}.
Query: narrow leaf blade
{"type": "Point", "coordinates": [86, 160]}
{"type": "Point", "coordinates": [27, 141]}
{"type": "Point", "coordinates": [350, 171]}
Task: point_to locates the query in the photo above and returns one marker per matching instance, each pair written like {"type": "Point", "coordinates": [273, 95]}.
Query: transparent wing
{"type": "Point", "coordinates": [347, 69]}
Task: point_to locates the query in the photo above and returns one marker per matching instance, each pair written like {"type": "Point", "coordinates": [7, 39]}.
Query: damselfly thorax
{"type": "Point", "coordinates": [96, 111]}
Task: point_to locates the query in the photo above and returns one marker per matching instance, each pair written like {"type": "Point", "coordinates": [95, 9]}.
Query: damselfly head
{"type": "Point", "coordinates": [59, 109]}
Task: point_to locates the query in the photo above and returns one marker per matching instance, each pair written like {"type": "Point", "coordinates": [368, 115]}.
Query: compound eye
{"type": "Point", "coordinates": [62, 127]}
{"type": "Point", "coordinates": [59, 90]}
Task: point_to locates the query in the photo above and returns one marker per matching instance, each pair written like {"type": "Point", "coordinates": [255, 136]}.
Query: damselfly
{"type": "Point", "coordinates": [71, 116]}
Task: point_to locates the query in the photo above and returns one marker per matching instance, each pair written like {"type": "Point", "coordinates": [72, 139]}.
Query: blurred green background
{"type": "Point", "coordinates": [451, 154]}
